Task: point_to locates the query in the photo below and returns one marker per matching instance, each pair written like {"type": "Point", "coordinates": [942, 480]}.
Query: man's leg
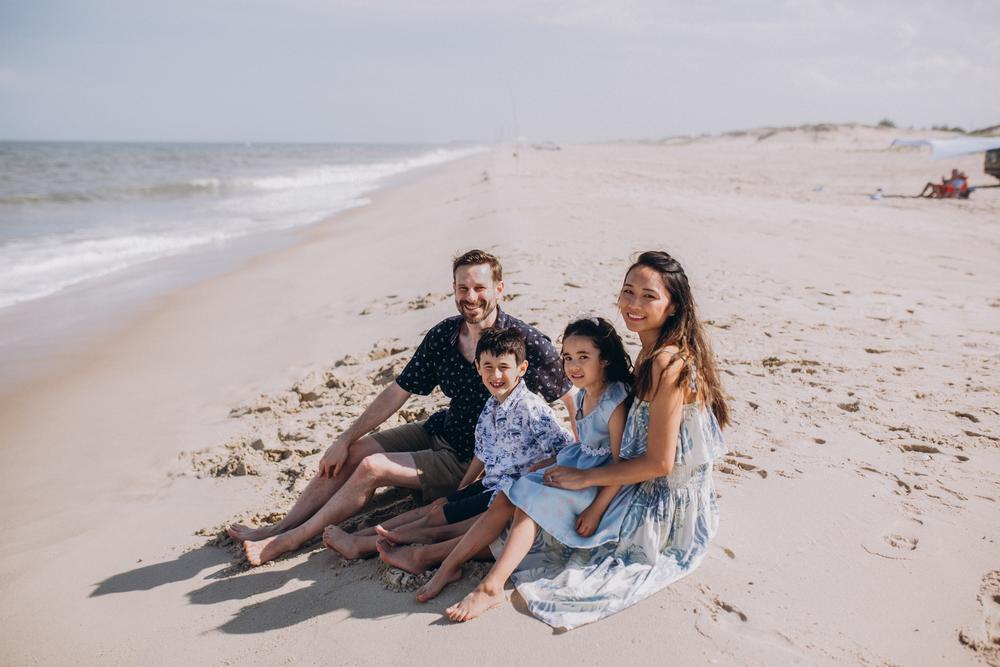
{"type": "Point", "coordinates": [314, 496]}
{"type": "Point", "coordinates": [375, 470]}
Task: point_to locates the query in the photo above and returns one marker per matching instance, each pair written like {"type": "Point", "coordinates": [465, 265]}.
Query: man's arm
{"type": "Point", "coordinates": [384, 406]}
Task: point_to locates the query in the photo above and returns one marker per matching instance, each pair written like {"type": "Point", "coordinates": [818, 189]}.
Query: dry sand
{"type": "Point", "coordinates": [858, 341]}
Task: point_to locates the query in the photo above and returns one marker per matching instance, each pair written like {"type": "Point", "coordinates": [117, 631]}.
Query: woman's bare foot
{"type": "Point", "coordinates": [404, 557]}
{"type": "Point", "coordinates": [259, 552]}
{"type": "Point", "coordinates": [347, 545]}
{"type": "Point", "coordinates": [475, 604]}
{"type": "Point", "coordinates": [441, 578]}
{"type": "Point", "coordinates": [241, 532]}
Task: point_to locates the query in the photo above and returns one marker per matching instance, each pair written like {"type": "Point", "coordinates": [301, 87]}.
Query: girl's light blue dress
{"type": "Point", "coordinates": [555, 510]}
{"type": "Point", "coordinates": [664, 532]}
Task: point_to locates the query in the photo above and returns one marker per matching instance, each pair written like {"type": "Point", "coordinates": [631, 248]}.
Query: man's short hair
{"type": "Point", "coordinates": [499, 342]}
{"type": "Point", "coordinates": [475, 257]}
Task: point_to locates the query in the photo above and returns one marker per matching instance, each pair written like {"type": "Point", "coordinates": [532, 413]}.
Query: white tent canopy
{"type": "Point", "coordinates": [948, 148]}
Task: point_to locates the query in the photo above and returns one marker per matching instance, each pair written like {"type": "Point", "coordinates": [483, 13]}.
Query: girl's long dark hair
{"type": "Point", "coordinates": [683, 330]}
{"type": "Point", "coordinates": [608, 343]}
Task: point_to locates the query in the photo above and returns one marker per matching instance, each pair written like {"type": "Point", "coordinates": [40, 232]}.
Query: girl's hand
{"type": "Point", "coordinates": [587, 522]}
{"type": "Point", "coordinates": [544, 463]}
{"type": "Point", "coordinates": [562, 477]}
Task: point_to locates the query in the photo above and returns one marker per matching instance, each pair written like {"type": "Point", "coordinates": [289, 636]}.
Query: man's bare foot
{"type": "Point", "coordinates": [404, 557]}
{"type": "Point", "coordinates": [259, 552]}
{"type": "Point", "coordinates": [347, 545]}
{"type": "Point", "coordinates": [475, 604]}
{"type": "Point", "coordinates": [241, 532]}
{"type": "Point", "coordinates": [441, 578]}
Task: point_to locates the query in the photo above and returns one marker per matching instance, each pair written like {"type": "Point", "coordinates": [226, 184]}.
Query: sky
{"type": "Point", "coordinates": [443, 70]}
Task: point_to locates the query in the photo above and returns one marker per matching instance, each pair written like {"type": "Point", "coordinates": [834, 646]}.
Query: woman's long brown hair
{"type": "Point", "coordinates": [683, 330]}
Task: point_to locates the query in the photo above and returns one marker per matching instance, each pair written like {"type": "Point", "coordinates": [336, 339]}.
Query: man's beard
{"type": "Point", "coordinates": [486, 308]}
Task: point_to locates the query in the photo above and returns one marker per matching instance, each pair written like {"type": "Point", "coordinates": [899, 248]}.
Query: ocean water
{"type": "Point", "coordinates": [73, 212]}
{"type": "Point", "coordinates": [88, 230]}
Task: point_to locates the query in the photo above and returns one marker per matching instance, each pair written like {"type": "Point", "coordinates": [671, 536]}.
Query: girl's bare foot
{"type": "Point", "coordinates": [404, 557]}
{"type": "Point", "coordinates": [347, 545]}
{"type": "Point", "coordinates": [259, 552]}
{"type": "Point", "coordinates": [241, 532]}
{"type": "Point", "coordinates": [475, 604]}
{"type": "Point", "coordinates": [441, 578]}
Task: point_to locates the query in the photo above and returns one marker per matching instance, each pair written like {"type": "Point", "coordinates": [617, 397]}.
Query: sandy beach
{"type": "Point", "coordinates": [858, 341]}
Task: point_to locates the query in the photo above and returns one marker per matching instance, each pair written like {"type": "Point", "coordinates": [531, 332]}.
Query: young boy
{"type": "Point", "coordinates": [517, 431]}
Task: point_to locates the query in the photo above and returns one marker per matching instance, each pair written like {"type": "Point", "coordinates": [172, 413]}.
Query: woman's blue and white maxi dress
{"type": "Point", "coordinates": [555, 510]}
{"type": "Point", "coordinates": [663, 533]}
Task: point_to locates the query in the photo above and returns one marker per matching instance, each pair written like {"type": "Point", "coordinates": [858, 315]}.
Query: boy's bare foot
{"type": "Point", "coordinates": [394, 536]}
{"type": "Point", "coordinates": [241, 532]}
{"type": "Point", "coordinates": [404, 557]}
{"type": "Point", "coordinates": [259, 552]}
{"type": "Point", "coordinates": [441, 578]}
{"type": "Point", "coordinates": [475, 604]}
{"type": "Point", "coordinates": [343, 543]}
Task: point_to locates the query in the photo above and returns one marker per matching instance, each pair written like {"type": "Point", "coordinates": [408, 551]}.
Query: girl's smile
{"type": "Point", "coordinates": [582, 362]}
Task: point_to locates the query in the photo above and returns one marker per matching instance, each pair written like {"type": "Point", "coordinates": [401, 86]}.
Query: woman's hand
{"type": "Point", "coordinates": [562, 477]}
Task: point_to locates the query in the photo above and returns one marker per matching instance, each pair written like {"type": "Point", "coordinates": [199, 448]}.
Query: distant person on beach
{"type": "Point", "coordinates": [516, 433]}
{"type": "Point", "coordinates": [955, 186]}
{"type": "Point", "coordinates": [431, 456]}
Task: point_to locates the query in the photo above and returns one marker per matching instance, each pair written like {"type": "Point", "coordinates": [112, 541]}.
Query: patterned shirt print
{"type": "Point", "coordinates": [438, 362]}
{"type": "Point", "coordinates": [513, 435]}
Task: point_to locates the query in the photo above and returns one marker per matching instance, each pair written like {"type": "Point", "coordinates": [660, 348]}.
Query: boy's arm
{"type": "Point", "coordinates": [472, 473]}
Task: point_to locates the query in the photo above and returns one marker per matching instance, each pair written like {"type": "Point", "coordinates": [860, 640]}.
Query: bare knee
{"type": "Point", "coordinates": [371, 469]}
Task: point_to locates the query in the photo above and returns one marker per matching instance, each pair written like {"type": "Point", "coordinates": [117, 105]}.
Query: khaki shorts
{"type": "Point", "coordinates": [438, 467]}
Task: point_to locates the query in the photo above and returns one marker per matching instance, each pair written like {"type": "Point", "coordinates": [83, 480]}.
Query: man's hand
{"type": "Point", "coordinates": [544, 463]}
{"type": "Point", "coordinates": [334, 458]}
{"type": "Point", "coordinates": [588, 521]}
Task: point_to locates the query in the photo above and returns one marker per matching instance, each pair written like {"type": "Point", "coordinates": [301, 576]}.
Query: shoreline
{"type": "Point", "coordinates": [852, 481]}
{"type": "Point", "coordinates": [123, 298]}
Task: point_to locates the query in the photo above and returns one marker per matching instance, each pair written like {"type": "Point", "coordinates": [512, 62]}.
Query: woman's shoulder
{"type": "Point", "coordinates": [669, 358]}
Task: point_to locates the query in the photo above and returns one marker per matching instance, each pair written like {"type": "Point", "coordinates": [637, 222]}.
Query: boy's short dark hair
{"type": "Point", "coordinates": [476, 257]}
{"type": "Point", "coordinates": [502, 341]}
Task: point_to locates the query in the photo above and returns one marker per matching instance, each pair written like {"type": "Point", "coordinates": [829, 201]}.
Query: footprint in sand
{"type": "Point", "coordinates": [985, 639]}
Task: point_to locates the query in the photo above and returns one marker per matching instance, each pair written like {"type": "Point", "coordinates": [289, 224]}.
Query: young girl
{"type": "Point", "coordinates": [672, 436]}
{"type": "Point", "coordinates": [595, 360]}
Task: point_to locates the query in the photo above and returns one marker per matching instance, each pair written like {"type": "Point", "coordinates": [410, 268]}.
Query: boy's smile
{"type": "Point", "coordinates": [500, 374]}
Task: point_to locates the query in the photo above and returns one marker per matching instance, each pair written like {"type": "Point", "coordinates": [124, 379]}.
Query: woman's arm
{"type": "Point", "coordinates": [661, 447]}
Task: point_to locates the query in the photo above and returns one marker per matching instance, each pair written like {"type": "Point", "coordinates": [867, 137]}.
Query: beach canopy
{"type": "Point", "coordinates": [948, 148]}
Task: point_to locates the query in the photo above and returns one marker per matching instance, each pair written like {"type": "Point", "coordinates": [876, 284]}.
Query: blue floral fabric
{"type": "Point", "coordinates": [664, 532]}
{"type": "Point", "coordinates": [555, 510]}
{"type": "Point", "coordinates": [513, 435]}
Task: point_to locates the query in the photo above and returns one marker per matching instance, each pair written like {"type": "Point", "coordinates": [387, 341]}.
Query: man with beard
{"type": "Point", "coordinates": [431, 455]}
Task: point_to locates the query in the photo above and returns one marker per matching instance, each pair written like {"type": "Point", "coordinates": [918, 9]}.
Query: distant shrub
{"type": "Point", "coordinates": [885, 122]}
{"type": "Point", "coordinates": [945, 128]}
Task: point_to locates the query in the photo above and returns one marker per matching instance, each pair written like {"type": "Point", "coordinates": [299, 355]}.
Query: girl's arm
{"type": "Point", "coordinates": [661, 447]}
{"type": "Point", "coordinates": [590, 518]}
